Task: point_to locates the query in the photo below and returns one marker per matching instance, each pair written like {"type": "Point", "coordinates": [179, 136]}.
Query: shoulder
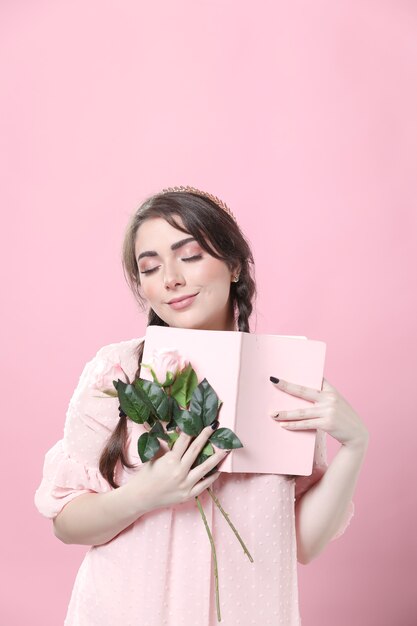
{"type": "Point", "coordinates": [120, 348]}
{"type": "Point", "coordinates": [124, 353]}
{"type": "Point", "coordinates": [101, 365]}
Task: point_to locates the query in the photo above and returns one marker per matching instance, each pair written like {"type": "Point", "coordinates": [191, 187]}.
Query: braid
{"type": "Point", "coordinates": [113, 451]}
{"type": "Point", "coordinates": [243, 293]}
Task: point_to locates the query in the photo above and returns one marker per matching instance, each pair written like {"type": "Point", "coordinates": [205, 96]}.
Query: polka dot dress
{"type": "Point", "coordinates": [159, 570]}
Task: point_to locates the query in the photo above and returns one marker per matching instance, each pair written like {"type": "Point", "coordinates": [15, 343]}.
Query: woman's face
{"type": "Point", "coordinates": [172, 265]}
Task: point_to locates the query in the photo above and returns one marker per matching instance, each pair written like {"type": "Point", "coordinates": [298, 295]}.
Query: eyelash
{"type": "Point", "coordinates": [190, 258]}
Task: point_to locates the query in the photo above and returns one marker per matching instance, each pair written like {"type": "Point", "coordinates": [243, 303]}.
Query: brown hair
{"type": "Point", "coordinates": [218, 233]}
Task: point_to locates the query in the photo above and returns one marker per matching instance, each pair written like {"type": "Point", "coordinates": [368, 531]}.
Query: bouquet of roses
{"type": "Point", "coordinates": [175, 399]}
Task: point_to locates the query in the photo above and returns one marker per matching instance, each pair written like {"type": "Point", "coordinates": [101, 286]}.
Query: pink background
{"type": "Point", "coordinates": [301, 116]}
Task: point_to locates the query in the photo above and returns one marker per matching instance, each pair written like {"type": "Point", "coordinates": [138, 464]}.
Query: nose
{"type": "Point", "coordinates": [173, 277]}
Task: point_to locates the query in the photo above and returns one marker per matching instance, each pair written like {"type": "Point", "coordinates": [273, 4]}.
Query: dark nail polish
{"type": "Point", "coordinates": [215, 424]}
{"type": "Point", "coordinates": [273, 379]}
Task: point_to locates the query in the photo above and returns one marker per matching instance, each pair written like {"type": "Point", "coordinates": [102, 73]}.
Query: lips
{"type": "Point", "coordinates": [182, 298]}
{"type": "Point", "coordinates": [180, 304]}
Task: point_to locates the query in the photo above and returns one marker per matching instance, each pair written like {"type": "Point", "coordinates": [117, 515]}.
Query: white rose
{"type": "Point", "coordinates": [104, 378]}
{"type": "Point", "coordinates": [166, 364]}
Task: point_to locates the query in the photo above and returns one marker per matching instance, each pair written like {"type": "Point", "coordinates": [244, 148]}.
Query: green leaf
{"type": "Point", "coordinates": [188, 423]}
{"type": "Point", "coordinates": [131, 403]}
{"type": "Point", "coordinates": [204, 403]}
{"type": "Point", "coordinates": [205, 454]}
{"type": "Point", "coordinates": [158, 430]}
{"type": "Point", "coordinates": [155, 397]}
{"type": "Point", "coordinates": [184, 385]}
{"type": "Point", "coordinates": [226, 439]}
{"type": "Point", "coordinates": [173, 436]}
{"type": "Point", "coordinates": [148, 446]}
{"type": "Point", "coordinates": [152, 420]}
{"type": "Point", "coordinates": [171, 422]}
{"type": "Point", "coordinates": [208, 449]}
{"type": "Point", "coordinates": [200, 459]}
{"type": "Point", "coordinates": [169, 378]}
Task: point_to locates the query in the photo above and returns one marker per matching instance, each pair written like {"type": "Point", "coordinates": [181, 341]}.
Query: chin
{"type": "Point", "coordinates": [195, 325]}
{"type": "Point", "coordinates": [190, 322]}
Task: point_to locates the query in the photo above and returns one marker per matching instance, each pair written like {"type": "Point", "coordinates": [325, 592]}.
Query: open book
{"type": "Point", "coordinates": [238, 366]}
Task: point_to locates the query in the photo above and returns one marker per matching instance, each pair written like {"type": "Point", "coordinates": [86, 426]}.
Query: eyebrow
{"type": "Point", "coordinates": [174, 246]}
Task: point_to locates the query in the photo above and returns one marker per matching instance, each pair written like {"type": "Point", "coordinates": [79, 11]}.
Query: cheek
{"type": "Point", "coordinates": [149, 290]}
{"type": "Point", "coordinates": [212, 272]}
{"type": "Point", "coordinates": [215, 282]}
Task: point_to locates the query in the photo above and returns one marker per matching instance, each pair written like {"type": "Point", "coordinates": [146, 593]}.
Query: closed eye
{"type": "Point", "coordinates": [190, 258]}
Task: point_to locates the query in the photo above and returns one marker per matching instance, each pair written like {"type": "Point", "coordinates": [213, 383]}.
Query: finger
{"type": "Point", "coordinates": [301, 414]}
{"type": "Point", "coordinates": [203, 484]}
{"type": "Point", "coordinates": [163, 448]}
{"type": "Point", "coordinates": [308, 393]}
{"type": "Point", "coordinates": [301, 425]}
{"type": "Point", "coordinates": [203, 468]}
{"type": "Point", "coordinates": [181, 444]}
{"type": "Point", "coordinates": [195, 447]}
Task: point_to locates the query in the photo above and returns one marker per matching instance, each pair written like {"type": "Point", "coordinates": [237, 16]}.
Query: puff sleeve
{"type": "Point", "coordinates": [71, 465]}
{"type": "Point", "coordinates": [320, 465]}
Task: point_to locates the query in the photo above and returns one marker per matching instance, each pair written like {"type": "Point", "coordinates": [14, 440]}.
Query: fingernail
{"type": "Point", "coordinates": [273, 379]}
{"type": "Point", "coordinates": [215, 424]}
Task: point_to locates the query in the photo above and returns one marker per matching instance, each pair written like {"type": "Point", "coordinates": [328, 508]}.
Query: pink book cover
{"type": "Point", "coordinates": [238, 366]}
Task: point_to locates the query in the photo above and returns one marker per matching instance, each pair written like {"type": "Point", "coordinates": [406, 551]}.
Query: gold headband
{"type": "Point", "coordinates": [215, 199]}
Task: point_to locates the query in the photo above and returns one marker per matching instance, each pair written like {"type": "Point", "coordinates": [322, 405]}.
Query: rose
{"type": "Point", "coordinates": [106, 375]}
{"type": "Point", "coordinates": [166, 364]}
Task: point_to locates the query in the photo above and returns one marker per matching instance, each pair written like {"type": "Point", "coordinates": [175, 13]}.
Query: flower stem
{"type": "Point", "coordinates": [226, 516]}
{"type": "Point", "coordinates": [213, 549]}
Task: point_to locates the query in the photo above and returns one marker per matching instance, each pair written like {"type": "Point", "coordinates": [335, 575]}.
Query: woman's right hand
{"type": "Point", "coordinates": [168, 478]}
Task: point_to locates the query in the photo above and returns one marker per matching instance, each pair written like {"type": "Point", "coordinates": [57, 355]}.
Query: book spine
{"type": "Point", "coordinates": [237, 387]}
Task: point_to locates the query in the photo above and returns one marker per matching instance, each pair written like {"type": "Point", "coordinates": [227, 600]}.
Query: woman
{"type": "Point", "coordinates": [150, 558]}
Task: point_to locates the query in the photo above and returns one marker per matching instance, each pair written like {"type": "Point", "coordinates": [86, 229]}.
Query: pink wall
{"type": "Point", "coordinates": [302, 117]}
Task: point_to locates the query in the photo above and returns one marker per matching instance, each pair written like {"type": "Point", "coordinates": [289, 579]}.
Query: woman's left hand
{"type": "Point", "coordinates": [330, 412]}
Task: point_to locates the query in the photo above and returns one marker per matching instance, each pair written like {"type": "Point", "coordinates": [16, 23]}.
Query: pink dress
{"type": "Point", "coordinates": [159, 570]}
